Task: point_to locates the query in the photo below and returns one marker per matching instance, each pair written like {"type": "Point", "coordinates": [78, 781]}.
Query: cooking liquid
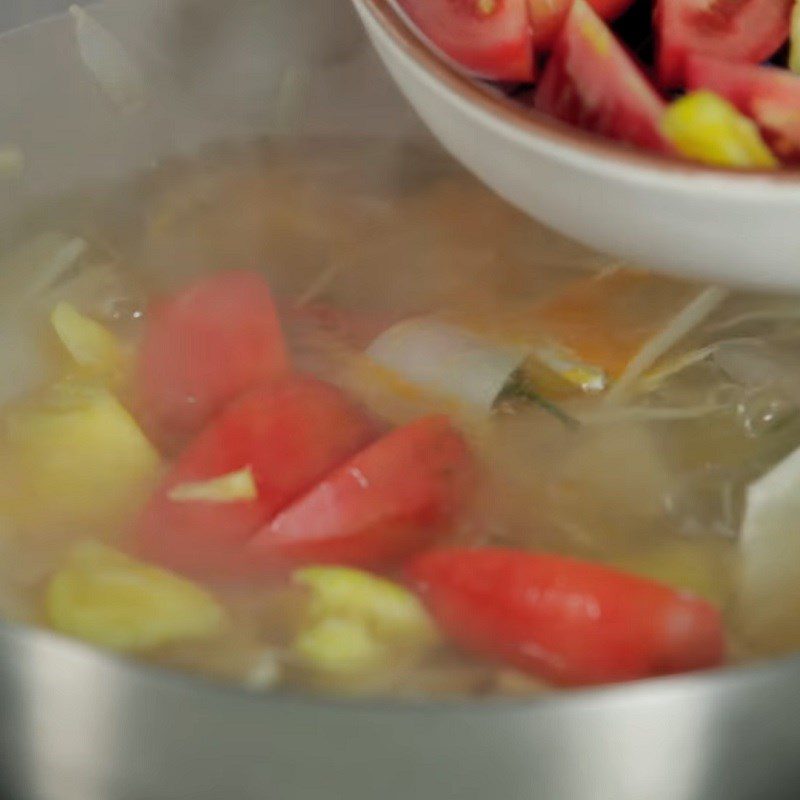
{"type": "Point", "coordinates": [387, 231]}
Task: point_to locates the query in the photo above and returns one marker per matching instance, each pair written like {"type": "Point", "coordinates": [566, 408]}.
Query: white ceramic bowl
{"type": "Point", "coordinates": [714, 224]}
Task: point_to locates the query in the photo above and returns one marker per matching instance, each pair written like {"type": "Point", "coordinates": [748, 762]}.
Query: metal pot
{"type": "Point", "coordinates": [77, 724]}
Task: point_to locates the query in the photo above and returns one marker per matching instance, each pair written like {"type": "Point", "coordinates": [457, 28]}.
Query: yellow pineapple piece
{"type": "Point", "coordinates": [105, 597]}
{"type": "Point", "coordinates": [357, 623]}
{"type": "Point", "coordinates": [79, 457]}
{"type": "Point", "coordinates": [703, 126]}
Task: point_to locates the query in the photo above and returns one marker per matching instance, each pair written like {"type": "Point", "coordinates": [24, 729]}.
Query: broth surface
{"type": "Point", "coordinates": [354, 237]}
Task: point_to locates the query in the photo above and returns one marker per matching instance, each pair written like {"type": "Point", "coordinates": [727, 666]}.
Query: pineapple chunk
{"type": "Point", "coordinates": [357, 623]}
{"type": "Point", "coordinates": [340, 647]}
{"type": "Point", "coordinates": [80, 458]}
{"type": "Point", "coordinates": [89, 344]}
{"type": "Point", "coordinates": [107, 598]}
{"type": "Point", "coordinates": [703, 126]}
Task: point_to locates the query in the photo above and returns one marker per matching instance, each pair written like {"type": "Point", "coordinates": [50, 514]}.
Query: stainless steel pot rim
{"type": "Point", "coordinates": [594, 698]}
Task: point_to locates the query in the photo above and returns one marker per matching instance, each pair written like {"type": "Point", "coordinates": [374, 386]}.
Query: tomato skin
{"type": "Point", "coordinates": [591, 82]}
{"type": "Point", "coordinates": [769, 95]}
{"type": "Point", "coordinates": [202, 348]}
{"type": "Point", "coordinates": [291, 432]}
{"type": "Point", "coordinates": [570, 622]}
{"type": "Point", "coordinates": [497, 45]}
{"type": "Point", "coordinates": [547, 17]}
{"type": "Point", "coordinates": [745, 31]}
{"type": "Point", "coordinates": [395, 496]}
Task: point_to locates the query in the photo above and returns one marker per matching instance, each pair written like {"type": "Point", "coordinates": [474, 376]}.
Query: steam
{"type": "Point", "coordinates": [106, 58]}
{"type": "Point", "coordinates": [238, 57]}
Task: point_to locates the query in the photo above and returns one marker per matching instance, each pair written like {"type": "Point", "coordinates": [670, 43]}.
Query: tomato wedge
{"type": "Point", "coordinates": [491, 38]}
{"type": "Point", "coordinates": [290, 433]}
{"type": "Point", "coordinates": [590, 81]}
{"type": "Point", "coordinates": [395, 496]}
{"type": "Point", "coordinates": [771, 96]}
{"type": "Point", "coordinates": [547, 17]}
{"type": "Point", "coordinates": [747, 31]}
{"type": "Point", "coordinates": [202, 348]}
{"type": "Point", "coordinates": [568, 621]}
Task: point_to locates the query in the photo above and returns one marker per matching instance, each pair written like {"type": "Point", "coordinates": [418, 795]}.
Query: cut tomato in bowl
{"type": "Point", "coordinates": [209, 343]}
{"type": "Point", "coordinates": [769, 95]}
{"type": "Point", "coordinates": [746, 31]}
{"type": "Point", "coordinates": [547, 17]}
{"type": "Point", "coordinates": [490, 38]}
{"type": "Point", "coordinates": [289, 434]}
{"type": "Point", "coordinates": [567, 621]}
{"type": "Point", "coordinates": [592, 82]}
{"type": "Point", "coordinates": [397, 495]}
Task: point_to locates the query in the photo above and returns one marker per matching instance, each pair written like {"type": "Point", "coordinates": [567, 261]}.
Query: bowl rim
{"type": "Point", "coordinates": [532, 123]}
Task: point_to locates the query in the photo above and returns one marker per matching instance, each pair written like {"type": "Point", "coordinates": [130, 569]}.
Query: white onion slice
{"type": "Point", "coordinates": [448, 360]}
{"type": "Point", "coordinates": [106, 58]}
{"type": "Point", "coordinates": [679, 326]}
{"type": "Point", "coordinates": [770, 548]}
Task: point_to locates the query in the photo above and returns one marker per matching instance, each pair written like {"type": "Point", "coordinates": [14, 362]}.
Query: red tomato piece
{"type": "Point", "coordinates": [771, 96]}
{"type": "Point", "coordinates": [395, 496]}
{"type": "Point", "coordinates": [491, 38]}
{"type": "Point", "coordinates": [547, 17]}
{"type": "Point", "coordinates": [204, 347]}
{"type": "Point", "coordinates": [590, 81]}
{"type": "Point", "coordinates": [291, 433]}
{"type": "Point", "coordinates": [747, 31]}
{"type": "Point", "coordinates": [568, 621]}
